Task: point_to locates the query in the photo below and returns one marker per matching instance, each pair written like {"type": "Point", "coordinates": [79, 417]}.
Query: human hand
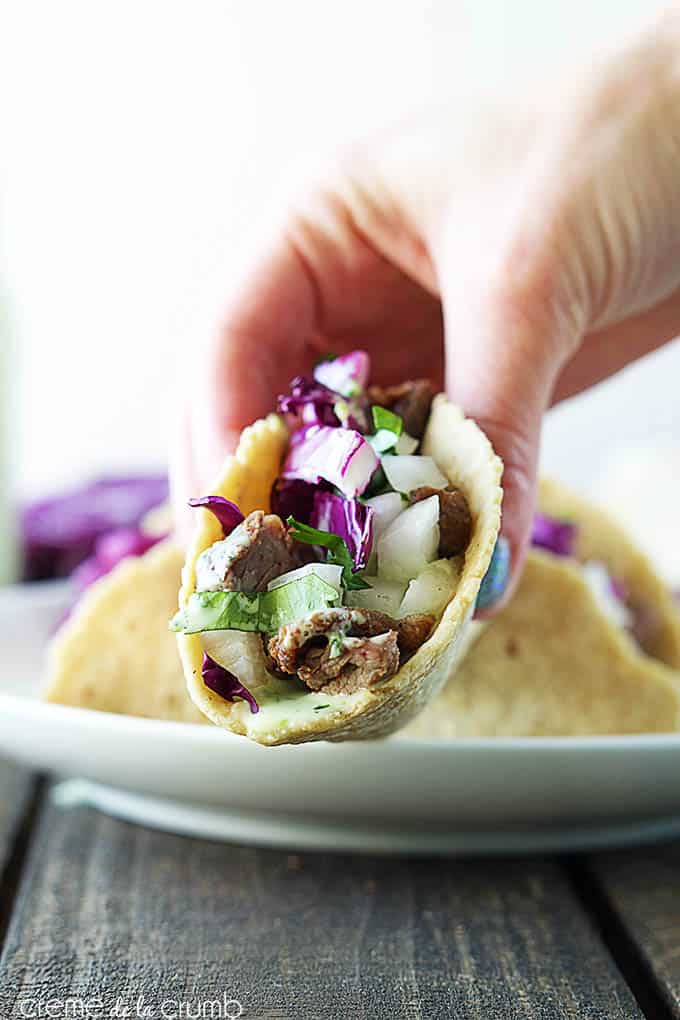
{"type": "Point", "coordinates": [513, 260]}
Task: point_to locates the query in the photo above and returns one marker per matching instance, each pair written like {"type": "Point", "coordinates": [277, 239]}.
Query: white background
{"type": "Point", "coordinates": [139, 141]}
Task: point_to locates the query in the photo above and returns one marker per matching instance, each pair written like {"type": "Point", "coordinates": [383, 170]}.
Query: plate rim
{"type": "Point", "coordinates": [297, 833]}
{"type": "Point", "coordinates": [92, 719]}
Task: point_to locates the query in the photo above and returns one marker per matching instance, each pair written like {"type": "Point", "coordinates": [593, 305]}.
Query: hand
{"type": "Point", "coordinates": [515, 260]}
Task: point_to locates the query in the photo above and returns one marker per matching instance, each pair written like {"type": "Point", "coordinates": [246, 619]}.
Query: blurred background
{"type": "Point", "coordinates": [139, 142]}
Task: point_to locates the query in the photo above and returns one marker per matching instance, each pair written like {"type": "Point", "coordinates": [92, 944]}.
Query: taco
{"type": "Point", "coordinates": [335, 567]}
{"type": "Point", "coordinates": [589, 644]}
{"type": "Point", "coordinates": [116, 637]}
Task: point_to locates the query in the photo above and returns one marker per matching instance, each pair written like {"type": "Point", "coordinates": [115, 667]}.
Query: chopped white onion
{"type": "Point", "coordinates": [408, 472]}
{"type": "Point", "coordinates": [599, 581]}
{"type": "Point", "coordinates": [410, 542]}
{"type": "Point", "coordinates": [432, 589]}
{"type": "Point", "coordinates": [238, 651]}
{"type": "Point", "coordinates": [385, 509]}
{"type": "Point", "coordinates": [331, 573]}
{"type": "Point", "coordinates": [406, 444]}
{"type": "Point", "coordinates": [385, 596]}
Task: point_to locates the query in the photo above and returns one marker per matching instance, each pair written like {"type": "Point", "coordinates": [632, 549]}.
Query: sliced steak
{"type": "Point", "coordinates": [455, 519]}
{"type": "Point", "coordinates": [412, 631]}
{"type": "Point", "coordinates": [256, 552]}
{"type": "Point", "coordinates": [410, 400]}
{"type": "Point", "coordinates": [363, 661]}
{"type": "Point", "coordinates": [335, 644]}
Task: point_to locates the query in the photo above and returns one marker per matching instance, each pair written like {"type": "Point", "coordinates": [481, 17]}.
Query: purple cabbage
{"type": "Point", "coordinates": [87, 573]}
{"type": "Point", "coordinates": [60, 532]}
{"type": "Point", "coordinates": [115, 546]}
{"type": "Point", "coordinates": [218, 679]}
{"type": "Point", "coordinates": [309, 403]}
{"type": "Point", "coordinates": [353, 414]}
{"type": "Point", "coordinates": [558, 537]}
{"type": "Point", "coordinates": [341, 457]}
{"type": "Point", "coordinates": [226, 512]}
{"type": "Point", "coordinates": [292, 497]}
{"type": "Point", "coordinates": [348, 518]}
{"type": "Point", "coordinates": [347, 375]}
{"type": "Point", "coordinates": [109, 551]}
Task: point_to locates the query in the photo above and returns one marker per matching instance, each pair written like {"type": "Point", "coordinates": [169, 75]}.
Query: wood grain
{"type": "Point", "coordinates": [642, 889]}
{"type": "Point", "coordinates": [17, 808]}
{"type": "Point", "coordinates": [110, 910]}
{"type": "Point", "coordinates": [15, 790]}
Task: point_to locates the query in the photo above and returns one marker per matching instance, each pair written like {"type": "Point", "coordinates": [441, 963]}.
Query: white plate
{"type": "Point", "coordinates": [397, 795]}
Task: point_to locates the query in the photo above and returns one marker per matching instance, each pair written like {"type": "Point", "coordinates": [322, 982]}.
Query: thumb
{"type": "Point", "coordinates": [501, 367]}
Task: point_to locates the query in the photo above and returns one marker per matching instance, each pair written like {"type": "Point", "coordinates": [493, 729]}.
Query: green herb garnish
{"type": "Point", "coordinates": [378, 484]}
{"type": "Point", "coordinates": [385, 419]}
{"type": "Point", "coordinates": [388, 426]}
{"type": "Point", "coordinates": [336, 551]}
{"type": "Point", "coordinates": [336, 644]}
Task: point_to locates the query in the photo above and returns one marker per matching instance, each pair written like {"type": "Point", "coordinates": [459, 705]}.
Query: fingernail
{"type": "Point", "coordinates": [496, 578]}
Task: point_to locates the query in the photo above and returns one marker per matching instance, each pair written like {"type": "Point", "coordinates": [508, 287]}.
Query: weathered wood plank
{"type": "Point", "coordinates": [16, 814]}
{"type": "Point", "coordinates": [111, 911]}
{"type": "Point", "coordinates": [642, 890]}
{"type": "Point", "coordinates": [15, 790]}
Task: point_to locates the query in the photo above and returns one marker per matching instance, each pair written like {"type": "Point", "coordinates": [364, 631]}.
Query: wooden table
{"type": "Point", "coordinates": [125, 921]}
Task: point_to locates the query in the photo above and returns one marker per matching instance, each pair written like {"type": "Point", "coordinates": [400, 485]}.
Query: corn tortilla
{"type": "Point", "coordinates": [552, 663]}
{"type": "Point", "coordinates": [115, 652]}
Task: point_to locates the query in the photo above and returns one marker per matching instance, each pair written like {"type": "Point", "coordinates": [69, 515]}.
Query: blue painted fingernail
{"type": "Point", "coordinates": [496, 578]}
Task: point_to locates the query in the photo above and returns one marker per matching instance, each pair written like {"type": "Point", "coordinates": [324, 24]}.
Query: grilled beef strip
{"type": "Point", "coordinates": [455, 519]}
{"type": "Point", "coordinates": [343, 650]}
{"type": "Point", "coordinates": [255, 552]}
{"type": "Point", "coordinates": [410, 400]}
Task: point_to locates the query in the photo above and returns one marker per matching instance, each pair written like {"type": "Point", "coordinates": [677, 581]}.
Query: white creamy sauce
{"type": "Point", "coordinates": [213, 562]}
{"type": "Point", "coordinates": [285, 705]}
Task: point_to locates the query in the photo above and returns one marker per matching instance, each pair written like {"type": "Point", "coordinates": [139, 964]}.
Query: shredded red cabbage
{"type": "Point", "coordinates": [348, 518]}
{"type": "Point", "coordinates": [218, 679]}
{"type": "Point", "coordinates": [86, 573]}
{"type": "Point", "coordinates": [556, 536]}
{"type": "Point", "coordinates": [347, 375]}
{"type": "Point", "coordinates": [340, 456]}
{"type": "Point", "coordinates": [60, 532]}
{"type": "Point", "coordinates": [292, 497]}
{"type": "Point", "coordinates": [116, 545]}
{"type": "Point", "coordinates": [226, 512]}
{"type": "Point", "coordinates": [308, 403]}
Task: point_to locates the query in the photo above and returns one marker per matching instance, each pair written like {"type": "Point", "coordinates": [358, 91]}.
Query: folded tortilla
{"type": "Point", "coordinates": [288, 712]}
{"type": "Point", "coordinates": [115, 652]}
{"type": "Point", "coordinates": [553, 663]}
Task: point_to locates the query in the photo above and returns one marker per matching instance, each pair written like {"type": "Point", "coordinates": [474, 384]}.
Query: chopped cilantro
{"type": "Point", "coordinates": [336, 551]}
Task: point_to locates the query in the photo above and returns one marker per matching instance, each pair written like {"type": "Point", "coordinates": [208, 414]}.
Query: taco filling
{"type": "Point", "coordinates": [347, 576]}
{"type": "Point", "coordinates": [559, 536]}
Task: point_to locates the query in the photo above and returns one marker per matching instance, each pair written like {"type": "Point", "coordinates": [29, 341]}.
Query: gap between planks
{"type": "Point", "coordinates": [618, 941]}
{"type": "Point", "coordinates": [18, 843]}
